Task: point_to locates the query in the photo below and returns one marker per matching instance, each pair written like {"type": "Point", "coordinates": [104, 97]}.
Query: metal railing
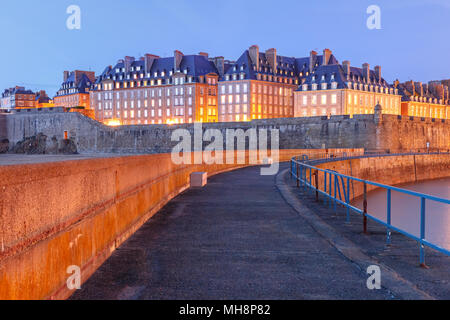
{"type": "Point", "coordinates": [337, 190]}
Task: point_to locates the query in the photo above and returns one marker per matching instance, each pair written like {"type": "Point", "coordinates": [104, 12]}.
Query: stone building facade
{"type": "Point", "coordinates": [153, 90]}
{"type": "Point", "coordinates": [17, 98]}
{"type": "Point", "coordinates": [74, 91]}
{"type": "Point", "coordinates": [261, 85]}
{"type": "Point", "coordinates": [340, 89]}
{"type": "Point", "coordinates": [430, 100]}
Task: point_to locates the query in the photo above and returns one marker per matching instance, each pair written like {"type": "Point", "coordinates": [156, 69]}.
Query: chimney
{"type": "Point", "coordinates": [66, 75]}
{"type": "Point", "coordinates": [219, 62]}
{"type": "Point", "coordinates": [411, 87]}
{"type": "Point", "coordinates": [206, 55]}
{"type": "Point", "coordinates": [366, 72]}
{"type": "Point", "coordinates": [312, 60]}
{"type": "Point", "coordinates": [439, 89]}
{"type": "Point", "coordinates": [420, 88]}
{"type": "Point", "coordinates": [149, 59]}
{"type": "Point", "coordinates": [378, 73]}
{"type": "Point", "coordinates": [346, 66]}
{"type": "Point", "coordinates": [396, 83]}
{"type": "Point", "coordinates": [127, 63]}
{"type": "Point", "coordinates": [254, 55]}
{"type": "Point", "coordinates": [271, 56]}
{"type": "Point", "coordinates": [326, 57]}
{"type": "Point", "coordinates": [177, 58]}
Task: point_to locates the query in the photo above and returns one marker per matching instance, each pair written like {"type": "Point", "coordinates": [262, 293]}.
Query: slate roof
{"type": "Point", "coordinates": [325, 73]}
{"type": "Point", "coordinates": [83, 85]}
{"type": "Point", "coordinates": [192, 65]}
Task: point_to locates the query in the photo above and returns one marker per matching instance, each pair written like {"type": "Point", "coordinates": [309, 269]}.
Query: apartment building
{"type": "Point", "coordinates": [17, 98]}
{"type": "Point", "coordinates": [155, 90]}
{"type": "Point", "coordinates": [424, 100]}
{"type": "Point", "coordinates": [261, 85]}
{"type": "Point", "coordinates": [75, 89]}
{"type": "Point", "coordinates": [340, 89]}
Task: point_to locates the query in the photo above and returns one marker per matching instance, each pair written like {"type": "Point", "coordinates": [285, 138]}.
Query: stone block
{"type": "Point", "coordinates": [199, 179]}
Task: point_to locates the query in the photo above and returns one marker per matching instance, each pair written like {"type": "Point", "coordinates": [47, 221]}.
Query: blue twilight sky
{"type": "Point", "coordinates": [37, 47]}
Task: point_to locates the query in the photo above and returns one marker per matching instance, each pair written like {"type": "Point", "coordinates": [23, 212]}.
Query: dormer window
{"type": "Point", "coordinates": [305, 87]}
{"type": "Point", "coordinates": [314, 87]}
{"type": "Point", "coordinates": [334, 85]}
{"type": "Point", "coordinates": [324, 86]}
{"type": "Point", "coordinates": [332, 77]}
{"type": "Point", "coordinates": [323, 77]}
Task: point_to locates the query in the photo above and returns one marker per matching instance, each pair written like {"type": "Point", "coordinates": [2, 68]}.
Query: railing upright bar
{"type": "Point", "coordinates": [389, 217]}
{"type": "Point", "coordinates": [365, 208]}
{"type": "Point", "coordinates": [422, 232]}
{"type": "Point", "coordinates": [335, 193]}
{"type": "Point", "coordinates": [347, 198]}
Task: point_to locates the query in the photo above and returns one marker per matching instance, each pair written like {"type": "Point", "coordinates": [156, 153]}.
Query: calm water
{"type": "Point", "coordinates": [406, 210]}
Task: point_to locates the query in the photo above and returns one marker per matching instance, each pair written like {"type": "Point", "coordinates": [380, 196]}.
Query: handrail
{"type": "Point", "coordinates": [334, 182]}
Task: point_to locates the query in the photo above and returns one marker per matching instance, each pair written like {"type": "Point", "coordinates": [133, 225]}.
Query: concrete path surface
{"type": "Point", "coordinates": [237, 238]}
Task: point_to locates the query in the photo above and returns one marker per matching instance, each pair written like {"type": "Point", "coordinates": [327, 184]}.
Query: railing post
{"type": "Point", "coordinates": [317, 184]}
{"type": "Point", "coordinates": [325, 185]}
{"type": "Point", "coordinates": [389, 218]}
{"type": "Point", "coordinates": [348, 200]}
{"type": "Point", "coordinates": [335, 193]}
{"type": "Point", "coordinates": [365, 208]}
{"type": "Point", "coordinates": [330, 191]}
{"type": "Point", "coordinates": [310, 179]}
{"type": "Point", "coordinates": [422, 233]}
{"type": "Point", "coordinates": [298, 177]}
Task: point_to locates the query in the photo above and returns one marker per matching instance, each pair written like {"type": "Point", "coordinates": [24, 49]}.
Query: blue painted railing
{"type": "Point", "coordinates": [336, 189]}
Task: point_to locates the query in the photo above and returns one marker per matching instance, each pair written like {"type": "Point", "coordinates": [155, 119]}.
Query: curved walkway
{"type": "Point", "coordinates": [237, 238]}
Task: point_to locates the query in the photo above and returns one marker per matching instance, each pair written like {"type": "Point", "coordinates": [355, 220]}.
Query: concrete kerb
{"type": "Point", "coordinates": [399, 287]}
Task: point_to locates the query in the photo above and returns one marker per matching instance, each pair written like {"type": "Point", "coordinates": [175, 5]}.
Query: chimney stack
{"type": "Point", "coordinates": [346, 67]}
{"type": "Point", "coordinates": [378, 73]}
{"type": "Point", "coordinates": [312, 60]}
{"type": "Point", "coordinates": [219, 62]}
{"type": "Point", "coordinates": [326, 57]}
{"type": "Point", "coordinates": [254, 55]}
{"type": "Point", "coordinates": [149, 59]}
{"type": "Point", "coordinates": [177, 57]}
{"type": "Point", "coordinates": [66, 75]}
{"type": "Point", "coordinates": [420, 88]}
{"type": "Point", "coordinates": [127, 63]}
{"type": "Point", "coordinates": [271, 56]}
{"type": "Point", "coordinates": [366, 72]}
{"type": "Point", "coordinates": [206, 55]}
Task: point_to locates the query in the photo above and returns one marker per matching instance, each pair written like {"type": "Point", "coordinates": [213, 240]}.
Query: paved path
{"type": "Point", "coordinates": [235, 239]}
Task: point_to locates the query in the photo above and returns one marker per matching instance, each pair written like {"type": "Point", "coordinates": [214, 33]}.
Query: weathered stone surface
{"type": "Point", "coordinates": [4, 146]}
{"type": "Point", "coordinates": [389, 133]}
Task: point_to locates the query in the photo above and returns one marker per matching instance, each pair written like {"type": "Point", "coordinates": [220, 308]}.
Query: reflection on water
{"type": "Point", "coordinates": [406, 210]}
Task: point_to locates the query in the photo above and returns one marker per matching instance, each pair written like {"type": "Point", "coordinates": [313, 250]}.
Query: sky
{"type": "Point", "coordinates": [412, 44]}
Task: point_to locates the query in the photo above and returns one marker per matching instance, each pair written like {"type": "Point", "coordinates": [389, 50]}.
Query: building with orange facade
{"type": "Point", "coordinates": [424, 100]}
{"type": "Point", "coordinates": [155, 90]}
{"type": "Point", "coordinates": [261, 85]}
{"type": "Point", "coordinates": [75, 90]}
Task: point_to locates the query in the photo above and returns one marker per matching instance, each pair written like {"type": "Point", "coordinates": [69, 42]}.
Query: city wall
{"type": "Point", "coordinates": [56, 215]}
{"type": "Point", "coordinates": [391, 134]}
